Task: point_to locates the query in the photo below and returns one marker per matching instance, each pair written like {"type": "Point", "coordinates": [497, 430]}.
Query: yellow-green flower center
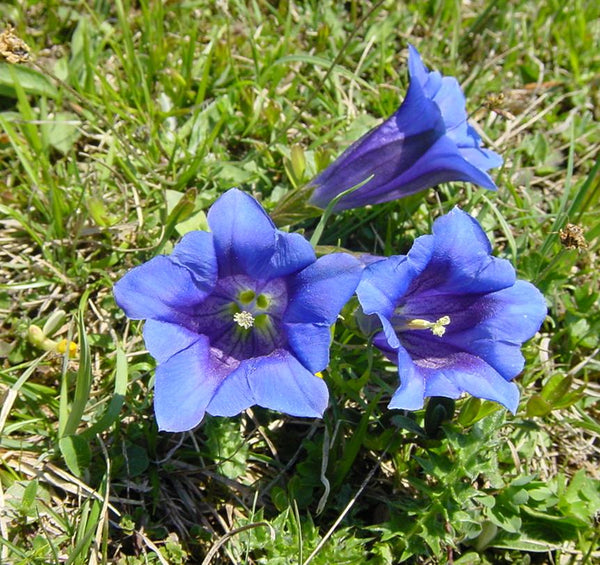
{"type": "Point", "coordinates": [246, 296]}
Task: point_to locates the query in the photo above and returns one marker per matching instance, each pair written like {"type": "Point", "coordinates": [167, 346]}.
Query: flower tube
{"type": "Point", "coordinates": [427, 141]}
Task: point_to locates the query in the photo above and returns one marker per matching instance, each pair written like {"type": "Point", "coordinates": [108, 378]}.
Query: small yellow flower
{"type": "Point", "coordinates": [39, 339]}
{"type": "Point", "coordinates": [61, 347]}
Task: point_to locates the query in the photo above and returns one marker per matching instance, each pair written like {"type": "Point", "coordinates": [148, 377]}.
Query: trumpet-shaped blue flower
{"type": "Point", "coordinates": [453, 317]}
{"type": "Point", "coordinates": [426, 142]}
{"type": "Point", "coordinates": [238, 316]}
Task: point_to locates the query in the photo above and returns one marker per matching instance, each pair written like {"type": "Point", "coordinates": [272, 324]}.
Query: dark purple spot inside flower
{"type": "Point", "coordinates": [235, 299]}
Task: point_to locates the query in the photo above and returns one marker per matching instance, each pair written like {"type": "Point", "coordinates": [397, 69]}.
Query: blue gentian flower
{"type": "Point", "coordinates": [238, 316]}
{"type": "Point", "coordinates": [453, 317]}
{"type": "Point", "coordinates": [426, 142]}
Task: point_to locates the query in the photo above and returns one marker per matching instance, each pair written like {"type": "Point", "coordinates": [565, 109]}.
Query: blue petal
{"type": "Point", "coordinates": [451, 102]}
{"type": "Point", "coordinates": [427, 128]}
{"type": "Point", "coordinates": [367, 259]}
{"type": "Point", "coordinates": [513, 315]}
{"type": "Point", "coordinates": [417, 71]}
{"type": "Point", "coordinates": [383, 283]}
{"type": "Point", "coordinates": [387, 341]}
{"type": "Point", "coordinates": [410, 394]}
{"type": "Point", "coordinates": [472, 375]}
{"type": "Point", "coordinates": [185, 384]}
{"type": "Point", "coordinates": [448, 370]}
{"type": "Point", "coordinates": [459, 228]}
{"type": "Point", "coordinates": [421, 252]}
{"type": "Point", "coordinates": [247, 241]}
{"type": "Point", "coordinates": [292, 254]}
{"type": "Point", "coordinates": [160, 290]}
{"type": "Point", "coordinates": [460, 260]}
{"type": "Point", "coordinates": [439, 384]}
{"type": "Point", "coordinates": [385, 152]}
{"type": "Point", "coordinates": [319, 292]}
{"type": "Point", "coordinates": [278, 382]}
{"type": "Point", "coordinates": [448, 96]}
{"type": "Point", "coordinates": [244, 235]}
{"type": "Point", "coordinates": [480, 158]}
{"type": "Point", "coordinates": [196, 252]}
{"type": "Point", "coordinates": [443, 162]}
{"type": "Point", "coordinates": [310, 344]}
{"type": "Point", "coordinates": [163, 340]}
{"type": "Point", "coordinates": [389, 334]}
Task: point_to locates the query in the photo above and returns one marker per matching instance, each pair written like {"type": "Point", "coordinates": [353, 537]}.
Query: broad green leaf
{"type": "Point", "coordinates": [76, 453]}
{"type": "Point", "coordinates": [63, 131]}
{"type": "Point", "coordinates": [31, 81]}
{"type": "Point", "coordinates": [537, 406]}
{"type": "Point", "coordinates": [116, 402]}
{"type": "Point", "coordinates": [70, 416]}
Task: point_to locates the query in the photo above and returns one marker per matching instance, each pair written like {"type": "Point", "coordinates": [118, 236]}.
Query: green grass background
{"type": "Point", "coordinates": [128, 122]}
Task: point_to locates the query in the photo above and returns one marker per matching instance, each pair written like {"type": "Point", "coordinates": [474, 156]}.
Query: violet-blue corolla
{"type": "Point", "coordinates": [427, 141]}
{"type": "Point", "coordinates": [238, 316]}
{"type": "Point", "coordinates": [453, 317]}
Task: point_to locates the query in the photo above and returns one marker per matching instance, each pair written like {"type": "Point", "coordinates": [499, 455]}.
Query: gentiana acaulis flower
{"type": "Point", "coordinates": [238, 316]}
{"type": "Point", "coordinates": [453, 318]}
{"type": "Point", "coordinates": [427, 141]}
